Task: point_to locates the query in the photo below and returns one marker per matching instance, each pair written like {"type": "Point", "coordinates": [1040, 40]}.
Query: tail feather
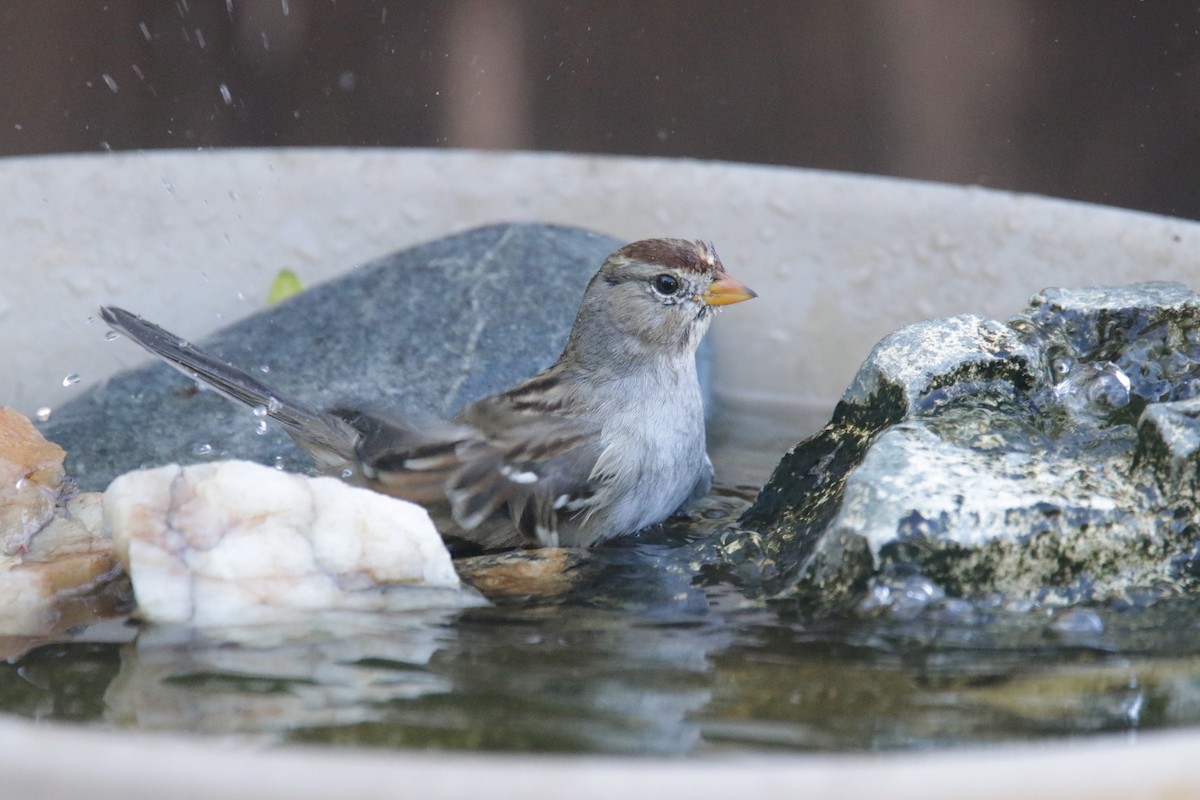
{"type": "Point", "coordinates": [330, 439]}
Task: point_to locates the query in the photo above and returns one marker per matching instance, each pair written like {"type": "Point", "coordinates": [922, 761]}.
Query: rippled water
{"type": "Point", "coordinates": [631, 649]}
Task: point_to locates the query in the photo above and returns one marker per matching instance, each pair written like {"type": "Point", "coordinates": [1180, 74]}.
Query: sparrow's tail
{"type": "Point", "coordinates": [329, 438]}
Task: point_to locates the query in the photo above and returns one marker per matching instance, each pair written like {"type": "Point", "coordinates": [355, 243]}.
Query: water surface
{"type": "Point", "coordinates": [633, 650]}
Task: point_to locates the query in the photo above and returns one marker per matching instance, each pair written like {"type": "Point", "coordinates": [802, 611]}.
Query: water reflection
{"type": "Point", "coordinates": [619, 650]}
{"type": "Point", "coordinates": [664, 678]}
{"type": "Point", "coordinates": [334, 670]}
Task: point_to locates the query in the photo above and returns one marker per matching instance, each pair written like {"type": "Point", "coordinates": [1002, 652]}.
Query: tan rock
{"type": "Point", "coordinates": [235, 543]}
{"type": "Point", "coordinates": [66, 559]}
{"type": "Point", "coordinates": [31, 475]}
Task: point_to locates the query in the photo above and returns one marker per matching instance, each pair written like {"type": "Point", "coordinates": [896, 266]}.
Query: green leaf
{"type": "Point", "coordinates": [286, 284]}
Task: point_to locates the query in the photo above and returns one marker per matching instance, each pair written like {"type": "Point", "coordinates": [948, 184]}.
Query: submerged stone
{"type": "Point", "coordinates": [1051, 459]}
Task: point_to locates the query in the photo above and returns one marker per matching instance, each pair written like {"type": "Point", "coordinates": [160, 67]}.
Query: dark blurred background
{"type": "Point", "coordinates": [1097, 101]}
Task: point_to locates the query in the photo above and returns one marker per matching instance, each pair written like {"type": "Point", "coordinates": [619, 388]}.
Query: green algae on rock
{"type": "Point", "coordinates": [1052, 457]}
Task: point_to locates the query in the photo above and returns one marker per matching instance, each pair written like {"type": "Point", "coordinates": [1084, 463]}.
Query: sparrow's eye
{"type": "Point", "coordinates": [665, 284]}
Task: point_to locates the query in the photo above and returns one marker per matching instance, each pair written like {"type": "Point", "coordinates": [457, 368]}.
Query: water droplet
{"type": "Point", "coordinates": [145, 31]}
{"type": "Point", "coordinates": [21, 483]}
{"type": "Point", "coordinates": [259, 411]}
{"type": "Point", "coordinates": [261, 427]}
{"type": "Point", "coordinates": [43, 413]}
{"type": "Point", "coordinates": [225, 94]}
{"type": "Point", "coordinates": [166, 184]}
{"type": "Point", "coordinates": [264, 368]}
{"type": "Point", "coordinates": [111, 336]}
{"type": "Point", "coordinates": [109, 81]}
{"type": "Point", "coordinates": [285, 7]}
{"type": "Point", "coordinates": [183, 343]}
{"type": "Point", "coordinates": [347, 474]}
{"type": "Point", "coordinates": [202, 449]}
{"type": "Point", "coordinates": [273, 405]}
{"type": "Point", "coordinates": [279, 463]}
{"type": "Point", "coordinates": [70, 380]}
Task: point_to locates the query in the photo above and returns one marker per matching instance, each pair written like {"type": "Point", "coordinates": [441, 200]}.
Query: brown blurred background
{"type": "Point", "coordinates": [1096, 101]}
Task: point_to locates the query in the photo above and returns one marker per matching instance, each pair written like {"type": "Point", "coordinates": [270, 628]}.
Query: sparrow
{"type": "Point", "coordinates": [606, 441]}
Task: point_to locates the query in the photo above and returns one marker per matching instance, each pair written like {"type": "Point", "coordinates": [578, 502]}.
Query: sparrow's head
{"type": "Point", "coordinates": [655, 296]}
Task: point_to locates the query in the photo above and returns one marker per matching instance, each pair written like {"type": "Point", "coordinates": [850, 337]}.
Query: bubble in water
{"type": "Point", "coordinates": [912, 596]}
{"type": "Point", "coordinates": [43, 413]}
{"type": "Point", "coordinates": [1019, 605]}
{"type": "Point", "coordinates": [1078, 621]}
{"type": "Point", "coordinates": [1109, 388]}
{"type": "Point", "coordinates": [261, 427]}
{"type": "Point", "coordinates": [1095, 390]}
{"type": "Point", "coordinates": [904, 599]}
{"type": "Point", "coordinates": [71, 379]}
{"type": "Point", "coordinates": [273, 405]}
{"type": "Point", "coordinates": [879, 597]}
{"type": "Point", "coordinates": [202, 449]}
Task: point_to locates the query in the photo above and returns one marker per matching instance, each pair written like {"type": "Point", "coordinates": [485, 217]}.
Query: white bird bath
{"type": "Point", "coordinates": [193, 240]}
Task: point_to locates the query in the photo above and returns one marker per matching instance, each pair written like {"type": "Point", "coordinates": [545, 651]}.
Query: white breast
{"type": "Point", "coordinates": [654, 451]}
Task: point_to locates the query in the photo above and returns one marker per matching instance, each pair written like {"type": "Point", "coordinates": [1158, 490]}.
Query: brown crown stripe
{"type": "Point", "coordinates": [673, 254]}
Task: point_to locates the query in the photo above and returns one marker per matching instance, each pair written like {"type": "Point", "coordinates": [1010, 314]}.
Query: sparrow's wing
{"type": "Point", "coordinates": [329, 438]}
{"type": "Point", "coordinates": [531, 467]}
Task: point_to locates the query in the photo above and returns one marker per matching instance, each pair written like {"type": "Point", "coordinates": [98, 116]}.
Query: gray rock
{"type": "Point", "coordinates": [1052, 458]}
{"type": "Point", "coordinates": [431, 329]}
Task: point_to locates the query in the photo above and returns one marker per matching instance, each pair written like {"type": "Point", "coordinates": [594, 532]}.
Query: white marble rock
{"type": "Point", "coordinates": [235, 543]}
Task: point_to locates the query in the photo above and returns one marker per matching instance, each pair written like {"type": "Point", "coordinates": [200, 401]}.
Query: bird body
{"type": "Point", "coordinates": [604, 442]}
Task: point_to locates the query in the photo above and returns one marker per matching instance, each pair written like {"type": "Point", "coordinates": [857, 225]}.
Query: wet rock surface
{"type": "Point", "coordinates": [53, 553]}
{"type": "Point", "coordinates": [238, 543]}
{"type": "Point", "coordinates": [1051, 458]}
{"type": "Point", "coordinates": [430, 328]}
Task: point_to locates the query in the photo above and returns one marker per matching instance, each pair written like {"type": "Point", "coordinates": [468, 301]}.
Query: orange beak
{"type": "Point", "coordinates": [726, 291]}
